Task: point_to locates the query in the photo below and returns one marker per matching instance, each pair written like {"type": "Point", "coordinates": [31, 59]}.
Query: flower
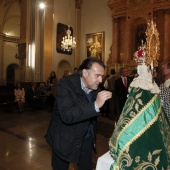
{"type": "Point", "coordinates": [140, 53]}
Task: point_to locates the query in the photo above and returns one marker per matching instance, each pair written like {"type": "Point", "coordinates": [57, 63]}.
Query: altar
{"type": "Point", "coordinates": [104, 162]}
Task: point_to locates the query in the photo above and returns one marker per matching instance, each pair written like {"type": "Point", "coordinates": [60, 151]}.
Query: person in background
{"type": "Point", "coordinates": [165, 89]}
{"type": "Point", "coordinates": [134, 74]}
{"type": "Point", "coordinates": [103, 109]}
{"type": "Point", "coordinates": [52, 80]}
{"type": "Point", "coordinates": [109, 84]}
{"type": "Point", "coordinates": [75, 70]}
{"type": "Point", "coordinates": [158, 75]}
{"type": "Point", "coordinates": [65, 74]}
{"type": "Point", "coordinates": [121, 89]}
{"type": "Point", "coordinates": [19, 93]}
{"type": "Point", "coordinates": [48, 94]}
{"type": "Point", "coordinates": [76, 108]}
{"type": "Point", "coordinates": [41, 93]}
{"type": "Point", "coordinates": [33, 96]}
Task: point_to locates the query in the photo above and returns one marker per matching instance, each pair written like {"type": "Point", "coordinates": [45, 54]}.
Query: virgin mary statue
{"type": "Point", "coordinates": [141, 139]}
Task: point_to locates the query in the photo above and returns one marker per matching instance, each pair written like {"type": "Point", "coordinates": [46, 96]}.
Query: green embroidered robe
{"type": "Point", "coordinates": [141, 139]}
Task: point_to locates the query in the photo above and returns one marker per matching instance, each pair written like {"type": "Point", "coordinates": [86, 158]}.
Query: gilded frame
{"type": "Point", "coordinates": [95, 45]}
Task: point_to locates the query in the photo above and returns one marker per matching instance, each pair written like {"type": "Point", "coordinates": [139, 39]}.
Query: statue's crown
{"type": "Point", "coordinates": [140, 55]}
{"type": "Point", "coordinates": [149, 51]}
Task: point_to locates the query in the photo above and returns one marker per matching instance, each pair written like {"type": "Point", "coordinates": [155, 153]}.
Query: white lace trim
{"type": "Point", "coordinates": [144, 80]}
{"type": "Point", "coordinates": [146, 85]}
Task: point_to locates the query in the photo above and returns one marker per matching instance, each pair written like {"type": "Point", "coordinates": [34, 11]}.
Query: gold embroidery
{"type": "Point", "coordinates": [125, 122]}
{"type": "Point", "coordinates": [152, 160]}
{"type": "Point", "coordinates": [139, 134]}
{"type": "Point", "coordinates": [129, 115]}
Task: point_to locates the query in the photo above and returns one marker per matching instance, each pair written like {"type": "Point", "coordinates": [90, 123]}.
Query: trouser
{"type": "Point", "coordinates": [85, 159]}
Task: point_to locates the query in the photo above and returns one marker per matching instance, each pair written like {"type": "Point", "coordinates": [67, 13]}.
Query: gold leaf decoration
{"type": "Point", "coordinates": [140, 101]}
{"type": "Point", "coordinates": [156, 152]}
{"type": "Point", "coordinates": [149, 157]}
{"type": "Point", "coordinates": [136, 107]}
{"type": "Point", "coordinates": [138, 95]}
{"type": "Point", "coordinates": [152, 45]}
{"type": "Point", "coordinates": [157, 160]}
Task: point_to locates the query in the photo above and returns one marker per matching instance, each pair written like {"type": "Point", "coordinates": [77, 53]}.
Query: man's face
{"type": "Point", "coordinates": [165, 70]}
{"type": "Point", "coordinates": [125, 72]}
{"type": "Point", "coordinates": [93, 77]}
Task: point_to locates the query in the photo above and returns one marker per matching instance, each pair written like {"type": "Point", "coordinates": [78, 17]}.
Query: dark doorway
{"type": "Point", "coordinates": [11, 74]}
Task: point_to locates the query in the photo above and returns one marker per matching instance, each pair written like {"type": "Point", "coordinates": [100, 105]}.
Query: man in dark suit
{"type": "Point", "coordinates": [109, 84]}
{"type": "Point", "coordinates": [33, 98]}
{"type": "Point", "coordinates": [76, 107]}
{"type": "Point", "coordinates": [121, 90]}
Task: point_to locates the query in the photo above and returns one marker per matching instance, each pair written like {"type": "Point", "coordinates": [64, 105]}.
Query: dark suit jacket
{"type": "Point", "coordinates": [71, 118]}
{"type": "Point", "coordinates": [30, 94]}
{"type": "Point", "coordinates": [121, 93]}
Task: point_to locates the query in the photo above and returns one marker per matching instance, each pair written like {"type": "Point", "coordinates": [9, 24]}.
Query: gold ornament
{"type": "Point", "coordinates": [152, 46]}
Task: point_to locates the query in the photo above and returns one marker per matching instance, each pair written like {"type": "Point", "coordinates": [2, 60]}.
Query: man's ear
{"type": "Point", "coordinates": [84, 73]}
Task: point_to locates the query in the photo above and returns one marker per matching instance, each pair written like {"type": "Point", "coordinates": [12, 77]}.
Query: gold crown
{"type": "Point", "coordinates": [140, 55]}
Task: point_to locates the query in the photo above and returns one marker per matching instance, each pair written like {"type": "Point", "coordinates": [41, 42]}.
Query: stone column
{"type": "Point", "coordinates": [48, 38]}
{"type": "Point", "coordinates": [30, 74]}
{"type": "Point", "coordinates": [78, 32]}
{"type": "Point", "coordinates": [115, 40]}
{"type": "Point", "coordinates": [128, 39]}
{"type": "Point", "coordinates": [122, 57]}
{"type": "Point", "coordinates": [1, 58]}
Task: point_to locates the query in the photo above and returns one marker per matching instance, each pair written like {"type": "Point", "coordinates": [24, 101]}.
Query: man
{"type": "Point", "coordinates": [121, 90]}
{"type": "Point", "coordinates": [33, 98]}
{"type": "Point", "coordinates": [76, 107]}
{"type": "Point", "coordinates": [165, 89]}
{"type": "Point", "coordinates": [109, 84]}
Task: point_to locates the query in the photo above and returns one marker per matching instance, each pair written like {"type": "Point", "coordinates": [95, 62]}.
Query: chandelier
{"type": "Point", "coordinates": [68, 42]}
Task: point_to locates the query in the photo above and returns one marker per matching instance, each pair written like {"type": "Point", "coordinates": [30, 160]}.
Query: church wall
{"type": "Point", "coordinates": [117, 19]}
{"type": "Point", "coordinates": [137, 14]}
{"type": "Point", "coordinates": [61, 15]}
{"type": "Point", "coordinates": [10, 33]}
{"type": "Point", "coordinates": [96, 17]}
{"type": "Point", "coordinates": [10, 50]}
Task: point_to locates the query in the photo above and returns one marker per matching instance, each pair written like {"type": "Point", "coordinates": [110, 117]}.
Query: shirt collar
{"type": "Point", "coordinates": [123, 77]}
{"type": "Point", "coordinates": [83, 87]}
{"type": "Point", "coordinates": [167, 83]}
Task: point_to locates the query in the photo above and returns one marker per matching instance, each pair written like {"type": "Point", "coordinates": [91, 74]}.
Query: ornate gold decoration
{"type": "Point", "coordinates": [149, 52]}
{"type": "Point", "coordinates": [152, 45]}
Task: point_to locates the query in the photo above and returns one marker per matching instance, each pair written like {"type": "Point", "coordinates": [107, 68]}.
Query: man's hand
{"type": "Point", "coordinates": [102, 97]}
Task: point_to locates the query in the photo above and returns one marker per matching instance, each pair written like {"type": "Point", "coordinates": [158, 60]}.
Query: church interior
{"type": "Point", "coordinates": [31, 39]}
